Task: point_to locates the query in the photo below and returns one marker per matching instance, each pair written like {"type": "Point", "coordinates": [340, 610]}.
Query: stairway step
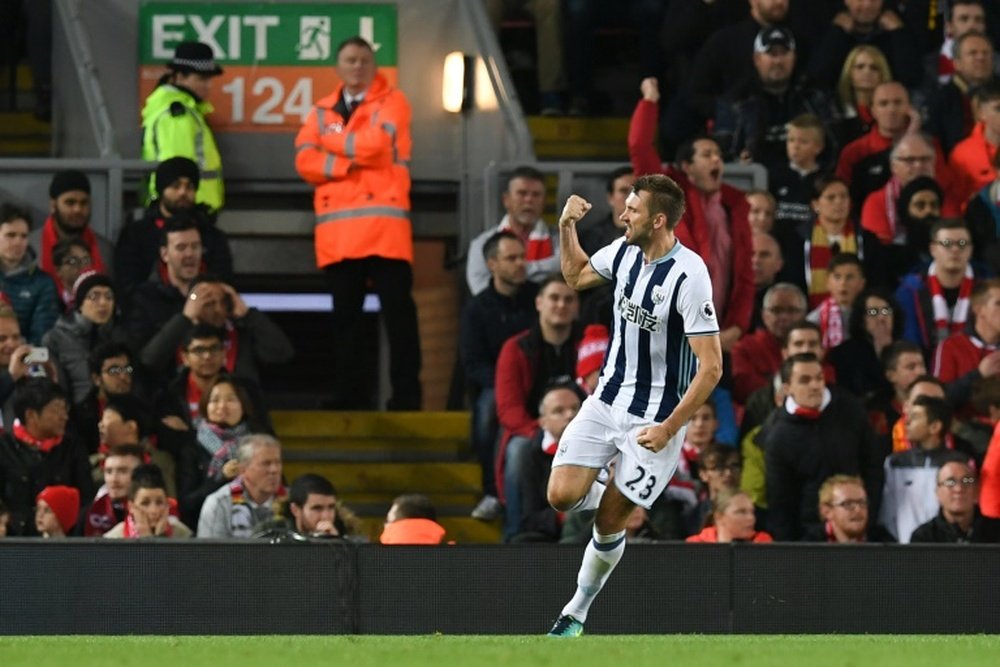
{"type": "Point", "coordinates": [396, 425]}
{"type": "Point", "coordinates": [572, 138]}
{"type": "Point", "coordinates": [462, 530]}
{"type": "Point", "coordinates": [394, 478]}
{"type": "Point", "coordinates": [375, 451]}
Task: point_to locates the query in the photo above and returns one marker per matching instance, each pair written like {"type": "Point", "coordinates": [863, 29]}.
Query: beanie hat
{"type": "Point", "coordinates": [87, 281]}
{"type": "Point", "coordinates": [65, 504]}
{"type": "Point", "coordinates": [67, 181]}
{"type": "Point", "coordinates": [169, 171]}
{"type": "Point", "coordinates": [590, 353]}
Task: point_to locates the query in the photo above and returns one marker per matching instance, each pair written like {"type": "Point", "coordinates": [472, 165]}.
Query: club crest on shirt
{"type": "Point", "coordinates": [707, 311]}
{"type": "Point", "coordinates": [659, 294]}
{"type": "Point", "coordinates": [637, 315]}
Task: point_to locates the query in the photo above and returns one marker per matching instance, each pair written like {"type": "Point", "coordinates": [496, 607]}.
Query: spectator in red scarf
{"type": "Point", "coordinates": [37, 451]}
{"type": "Point", "coordinates": [148, 509]}
{"type": "Point", "coordinates": [935, 300]}
{"type": "Point", "coordinates": [69, 217]}
{"type": "Point", "coordinates": [815, 434]}
{"type": "Point", "coordinates": [110, 505]}
{"type": "Point", "coordinates": [523, 201]}
{"type": "Point", "coordinates": [845, 278]}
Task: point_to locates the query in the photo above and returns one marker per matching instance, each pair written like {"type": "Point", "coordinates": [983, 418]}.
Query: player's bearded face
{"type": "Point", "coordinates": [636, 219]}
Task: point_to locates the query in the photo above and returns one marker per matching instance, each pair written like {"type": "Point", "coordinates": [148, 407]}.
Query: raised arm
{"type": "Point", "coordinates": [575, 263]}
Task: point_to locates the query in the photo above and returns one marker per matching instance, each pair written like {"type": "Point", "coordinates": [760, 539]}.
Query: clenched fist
{"type": "Point", "coordinates": [576, 207]}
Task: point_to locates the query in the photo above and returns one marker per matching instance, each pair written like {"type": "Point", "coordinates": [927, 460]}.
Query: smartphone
{"type": "Point", "coordinates": [38, 355]}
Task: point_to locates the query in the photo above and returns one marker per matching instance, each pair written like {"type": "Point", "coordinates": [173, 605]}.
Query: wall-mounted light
{"type": "Point", "coordinates": [457, 84]}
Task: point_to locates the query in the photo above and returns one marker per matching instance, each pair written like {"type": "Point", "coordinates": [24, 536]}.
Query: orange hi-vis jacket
{"type": "Point", "coordinates": [361, 172]}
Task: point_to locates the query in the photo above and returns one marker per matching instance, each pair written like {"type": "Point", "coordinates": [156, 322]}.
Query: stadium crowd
{"type": "Point", "coordinates": [856, 295]}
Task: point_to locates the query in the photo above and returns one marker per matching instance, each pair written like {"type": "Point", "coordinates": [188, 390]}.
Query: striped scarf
{"type": "Point", "coordinates": [538, 245]}
{"type": "Point", "coordinates": [831, 323]}
{"type": "Point", "coordinates": [947, 322]}
{"type": "Point", "coordinates": [820, 254]}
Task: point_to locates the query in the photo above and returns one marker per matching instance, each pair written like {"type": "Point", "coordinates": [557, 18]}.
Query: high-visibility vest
{"type": "Point", "coordinates": [174, 125]}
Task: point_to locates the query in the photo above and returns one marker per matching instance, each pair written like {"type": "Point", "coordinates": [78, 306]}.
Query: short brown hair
{"type": "Point", "coordinates": [665, 197]}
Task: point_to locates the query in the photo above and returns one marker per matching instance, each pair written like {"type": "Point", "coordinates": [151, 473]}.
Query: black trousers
{"type": "Point", "coordinates": [392, 280]}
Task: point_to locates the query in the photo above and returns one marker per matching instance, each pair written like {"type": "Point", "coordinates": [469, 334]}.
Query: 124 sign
{"type": "Point", "coordinates": [267, 101]}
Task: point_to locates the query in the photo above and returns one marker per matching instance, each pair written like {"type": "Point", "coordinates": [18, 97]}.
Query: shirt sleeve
{"type": "Point", "coordinates": [695, 305]}
{"type": "Point", "coordinates": [603, 260]}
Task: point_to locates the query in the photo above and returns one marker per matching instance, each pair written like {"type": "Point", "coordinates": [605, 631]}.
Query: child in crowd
{"type": "Point", "coordinates": [148, 508]}
{"type": "Point", "coordinates": [56, 510]}
{"type": "Point", "coordinates": [793, 185]}
{"type": "Point", "coordinates": [845, 279]}
{"type": "Point", "coordinates": [762, 210]}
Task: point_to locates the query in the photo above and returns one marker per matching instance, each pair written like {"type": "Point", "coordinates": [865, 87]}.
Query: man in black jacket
{"type": "Point", "coordinates": [504, 308]}
{"type": "Point", "coordinates": [959, 521]}
{"type": "Point", "coordinates": [137, 251]}
{"type": "Point", "coordinates": [37, 451]}
{"type": "Point", "coordinates": [816, 434]}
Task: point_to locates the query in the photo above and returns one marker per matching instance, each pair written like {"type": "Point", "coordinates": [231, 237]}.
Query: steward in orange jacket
{"type": "Point", "coordinates": [358, 162]}
{"type": "Point", "coordinates": [355, 148]}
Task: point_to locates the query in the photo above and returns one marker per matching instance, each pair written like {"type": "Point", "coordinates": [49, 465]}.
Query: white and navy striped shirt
{"type": "Point", "coordinates": [657, 306]}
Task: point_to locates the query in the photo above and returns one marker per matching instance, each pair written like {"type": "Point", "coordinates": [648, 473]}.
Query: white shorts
{"type": "Point", "coordinates": [600, 434]}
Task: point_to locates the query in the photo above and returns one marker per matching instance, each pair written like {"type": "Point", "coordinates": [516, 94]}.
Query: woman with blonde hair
{"type": "Point", "coordinates": [733, 520]}
{"type": "Point", "coordinates": [864, 69]}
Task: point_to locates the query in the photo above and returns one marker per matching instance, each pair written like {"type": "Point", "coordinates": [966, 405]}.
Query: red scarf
{"type": "Point", "coordinates": [193, 398]}
{"type": "Point", "coordinates": [949, 322]}
{"type": "Point", "coordinates": [865, 114]}
{"type": "Point", "coordinates": [892, 189]}
{"type": "Point", "coordinates": [50, 237]}
{"type": "Point", "coordinates": [549, 443]}
{"type": "Point", "coordinates": [103, 515]}
{"type": "Point", "coordinates": [538, 243]}
{"type": "Point", "coordinates": [131, 531]}
{"type": "Point", "coordinates": [239, 497]}
{"type": "Point", "coordinates": [45, 446]}
{"type": "Point", "coordinates": [831, 323]}
{"type": "Point", "coordinates": [820, 253]}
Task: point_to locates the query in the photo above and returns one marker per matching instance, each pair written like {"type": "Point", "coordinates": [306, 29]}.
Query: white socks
{"type": "Point", "coordinates": [599, 560]}
{"type": "Point", "coordinates": [591, 500]}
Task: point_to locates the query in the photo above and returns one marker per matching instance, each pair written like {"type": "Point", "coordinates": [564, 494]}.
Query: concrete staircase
{"type": "Point", "coordinates": [21, 134]}
{"type": "Point", "coordinates": [372, 457]}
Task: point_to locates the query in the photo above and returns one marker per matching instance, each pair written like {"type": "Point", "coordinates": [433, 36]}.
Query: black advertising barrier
{"type": "Point", "coordinates": [209, 587]}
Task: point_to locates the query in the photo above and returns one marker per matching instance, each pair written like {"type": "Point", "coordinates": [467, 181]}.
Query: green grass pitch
{"type": "Point", "coordinates": [497, 651]}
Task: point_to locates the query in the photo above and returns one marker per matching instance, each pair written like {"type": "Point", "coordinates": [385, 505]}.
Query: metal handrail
{"type": "Point", "coordinates": [68, 13]}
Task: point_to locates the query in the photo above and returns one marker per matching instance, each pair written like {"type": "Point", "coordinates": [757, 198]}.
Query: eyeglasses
{"type": "Point", "coordinates": [77, 261]}
{"type": "Point", "coordinates": [788, 310]}
{"type": "Point", "coordinates": [910, 160]}
{"type": "Point", "coordinates": [947, 244]}
{"type": "Point", "coordinates": [851, 505]}
{"type": "Point", "coordinates": [204, 351]}
{"type": "Point", "coordinates": [951, 482]}
{"type": "Point", "coordinates": [95, 296]}
{"type": "Point", "coordinates": [874, 312]}
{"type": "Point", "coordinates": [119, 370]}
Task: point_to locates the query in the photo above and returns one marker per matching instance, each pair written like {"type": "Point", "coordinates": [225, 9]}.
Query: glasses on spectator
{"type": "Point", "coordinates": [95, 295]}
{"type": "Point", "coordinates": [204, 350]}
{"type": "Point", "coordinates": [875, 312]}
{"type": "Point", "coordinates": [910, 160]}
{"type": "Point", "coordinates": [784, 310]}
{"type": "Point", "coordinates": [119, 370]}
{"type": "Point", "coordinates": [947, 244]}
{"type": "Point", "coordinates": [851, 505]}
{"type": "Point", "coordinates": [77, 261]}
{"type": "Point", "coordinates": [951, 482]}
